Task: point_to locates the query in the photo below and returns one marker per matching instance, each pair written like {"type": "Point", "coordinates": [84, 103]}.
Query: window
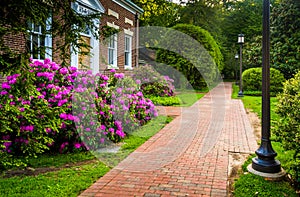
{"type": "Point", "coordinates": [127, 52]}
{"type": "Point", "coordinates": [112, 51]}
{"type": "Point", "coordinates": [40, 43]}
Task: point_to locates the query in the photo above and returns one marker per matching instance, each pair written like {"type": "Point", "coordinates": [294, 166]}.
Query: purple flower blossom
{"type": "Point", "coordinates": [63, 71]}
{"type": "Point", "coordinates": [103, 127]}
{"type": "Point", "coordinates": [77, 145]}
{"type": "Point", "coordinates": [63, 116]}
{"type": "Point", "coordinates": [112, 70]}
{"type": "Point", "coordinates": [73, 69]}
{"type": "Point", "coordinates": [104, 77]}
{"type": "Point", "coordinates": [3, 92]}
{"type": "Point", "coordinates": [120, 133]}
{"type": "Point", "coordinates": [22, 109]}
{"type": "Point", "coordinates": [41, 96]}
{"type": "Point", "coordinates": [5, 85]}
{"type": "Point", "coordinates": [119, 76]}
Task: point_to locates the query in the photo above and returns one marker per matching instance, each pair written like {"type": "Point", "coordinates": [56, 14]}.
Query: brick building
{"type": "Point", "coordinates": [119, 51]}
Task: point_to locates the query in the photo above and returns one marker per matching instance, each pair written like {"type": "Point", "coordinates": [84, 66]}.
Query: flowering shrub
{"type": "Point", "coordinates": [152, 83]}
{"type": "Point", "coordinates": [47, 107]}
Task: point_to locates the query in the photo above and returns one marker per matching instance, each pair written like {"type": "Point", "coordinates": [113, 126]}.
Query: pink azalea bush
{"type": "Point", "coordinates": [153, 83]}
{"type": "Point", "coordinates": [46, 107]}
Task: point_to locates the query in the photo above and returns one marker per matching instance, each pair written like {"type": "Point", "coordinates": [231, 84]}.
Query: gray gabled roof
{"type": "Point", "coordinates": [134, 6]}
{"type": "Point", "coordinates": [92, 4]}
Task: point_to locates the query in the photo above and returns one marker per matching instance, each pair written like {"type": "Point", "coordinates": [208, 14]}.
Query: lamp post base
{"type": "Point", "coordinates": [266, 166]}
{"type": "Point", "coordinates": [240, 94]}
{"type": "Point", "coordinates": [265, 160]}
{"type": "Point", "coordinates": [268, 176]}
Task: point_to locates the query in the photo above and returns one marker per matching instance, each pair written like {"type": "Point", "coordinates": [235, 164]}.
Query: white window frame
{"type": "Point", "coordinates": [112, 47]}
{"type": "Point", "coordinates": [128, 52]}
{"type": "Point", "coordinates": [40, 34]}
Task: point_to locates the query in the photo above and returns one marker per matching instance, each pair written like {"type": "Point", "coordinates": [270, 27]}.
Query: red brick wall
{"type": "Point", "coordinates": [16, 42]}
{"type": "Point", "coordinates": [123, 13]}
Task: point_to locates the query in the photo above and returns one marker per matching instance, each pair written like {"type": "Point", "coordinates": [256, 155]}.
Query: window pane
{"type": "Point", "coordinates": [110, 56]}
{"type": "Point", "coordinates": [127, 43]}
{"type": "Point", "coordinates": [36, 28]}
{"type": "Point", "coordinates": [127, 58]}
{"type": "Point", "coordinates": [35, 46]}
{"type": "Point", "coordinates": [42, 48]}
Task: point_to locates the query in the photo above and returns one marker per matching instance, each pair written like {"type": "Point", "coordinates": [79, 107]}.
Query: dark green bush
{"type": "Point", "coordinates": [287, 129]}
{"type": "Point", "coordinates": [252, 80]}
{"type": "Point", "coordinates": [197, 56]}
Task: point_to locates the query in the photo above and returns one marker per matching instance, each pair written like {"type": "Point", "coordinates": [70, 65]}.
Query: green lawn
{"type": "Point", "coordinates": [249, 185]}
{"type": "Point", "coordinates": [188, 98]}
{"type": "Point", "coordinates": [184, 98]}
{"type": "Point", "coordinates": [72, 181]}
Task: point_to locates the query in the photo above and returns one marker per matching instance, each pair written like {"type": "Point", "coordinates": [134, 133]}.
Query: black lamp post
{"type": "Point", "coordinates": [241, 42]}
{"type": "Point", "coordinates": [265, 161]}
{"type": "Point", "coordinates": [236, 65]}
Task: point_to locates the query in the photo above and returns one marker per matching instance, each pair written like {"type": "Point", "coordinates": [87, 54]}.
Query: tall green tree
{"type": "Point", "coordinates": [285, 25]}
{"type": "Point", "coordinates": [158, 12]}
{"type": "Point", "coordinates": [206, 14]}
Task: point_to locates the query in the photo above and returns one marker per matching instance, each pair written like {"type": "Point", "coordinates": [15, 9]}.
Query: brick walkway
{"type": "Point", "coordinates": [189, 156]}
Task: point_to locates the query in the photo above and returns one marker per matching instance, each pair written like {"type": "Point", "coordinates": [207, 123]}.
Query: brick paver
{"type": "Point", "coordinates": [189, 156]}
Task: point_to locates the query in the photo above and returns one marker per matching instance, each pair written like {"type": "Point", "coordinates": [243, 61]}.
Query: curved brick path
{"type": "Point", "coordinates": [189, 156]}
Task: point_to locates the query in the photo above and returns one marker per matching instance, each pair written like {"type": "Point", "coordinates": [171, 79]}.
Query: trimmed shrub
{"type": "Point", "coordinates": [196, 52]}
{"type": "Point", "coordinates": [252, 80]}
{"type": "Point", "coordinates": [287, 129]}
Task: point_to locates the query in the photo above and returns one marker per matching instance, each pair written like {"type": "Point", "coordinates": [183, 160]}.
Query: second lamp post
{"type": "Point", "coordinates": [241, 42]}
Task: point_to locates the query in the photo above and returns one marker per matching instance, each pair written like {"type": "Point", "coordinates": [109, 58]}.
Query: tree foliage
{"type": "Point", "coordinates": [158, 12]}
{"type": "Point", "coordinates": [197, 56]}
{"type": "Point", "coordinates": [286, 37]}
{"type": "Point", "coordinates": [287, 128]}
{"type": "Point", "coordinates": [206, 14]}
{"type": "Point", "coordinates": [66, 24]}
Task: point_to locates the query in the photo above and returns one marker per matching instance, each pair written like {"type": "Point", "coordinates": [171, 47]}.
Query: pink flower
{"type": "Point", "coordinates": [119, 76]}
{"type": "Point", "coordinates": [5, 85]}
{"type": "Point", "coordinates": [41, 97]}
{"type": "Point", "coordinates": [103, 127]}
{"type": "Point", "coordinates": [77, 145]}
{"type": "Point", "coordinates": [112, 70]}
{"type": "Point", "coordinates": [22, 109]}
{"type": "Point", "coordinates": [63, 71]}
{"type": "Point", "coordinates": [3, 92]}
{"type": "Point", "coordinates": [120, 133]}
{"type": "Point", "coordinates": [63, 116]}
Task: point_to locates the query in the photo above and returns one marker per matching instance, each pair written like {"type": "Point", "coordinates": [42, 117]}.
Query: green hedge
{"type": "Point", "coordinates": [191, 50]}
{"type": "Point", "coordinates": [252, 80]}
{"type": "Point", "coordinates": [287, 129]}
